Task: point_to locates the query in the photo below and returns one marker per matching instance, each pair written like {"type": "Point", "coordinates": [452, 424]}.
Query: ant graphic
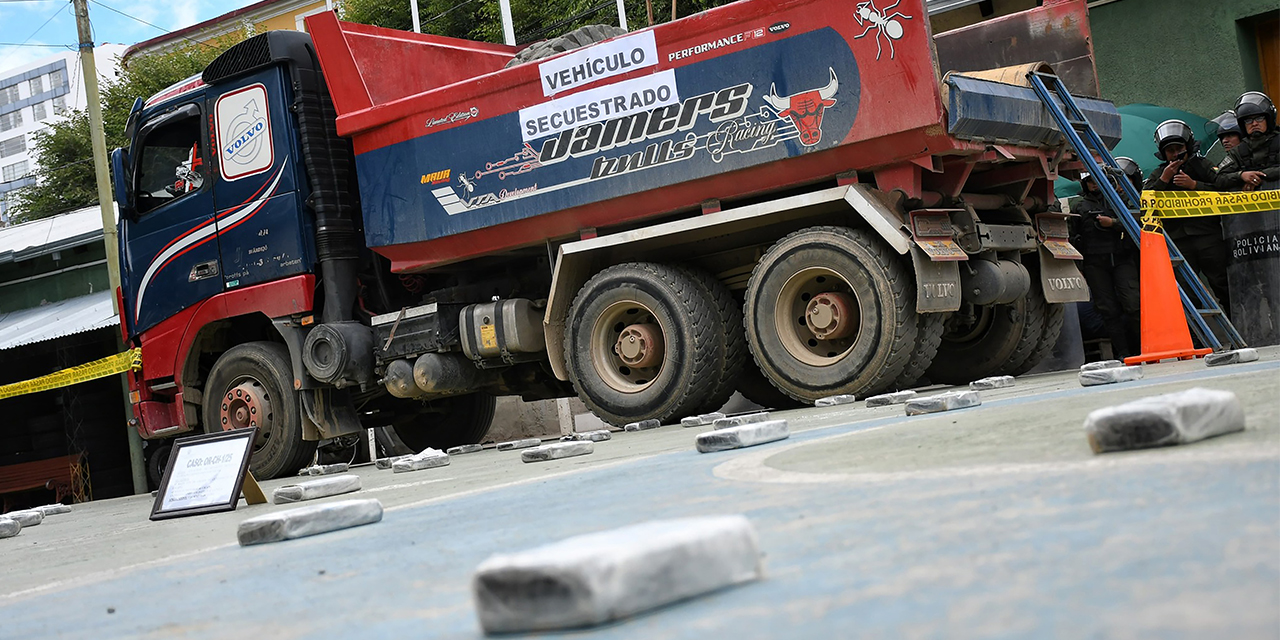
{"type": "Point", "coordinates": [882, 21]}
{"type": "Point", "coordinates": [467, 185]}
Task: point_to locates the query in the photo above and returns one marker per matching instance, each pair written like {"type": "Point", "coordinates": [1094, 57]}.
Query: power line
{"type": "Point", "coordinates": [45, 24]}
{"type": "Point", "coordinates": [34, 44]}
{"type": "Point", "coordinates": [154, 26]}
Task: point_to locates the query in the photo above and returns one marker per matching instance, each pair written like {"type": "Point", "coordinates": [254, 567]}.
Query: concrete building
{"type": "Point", "coordinates": [55, 312]}
{"type": "Point", "coordinates": [33, 96]}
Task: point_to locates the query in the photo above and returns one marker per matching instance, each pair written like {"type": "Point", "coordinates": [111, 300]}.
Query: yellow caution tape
{"type": "Point", "coordinates": [108, 366]}
{"type": "Point", "coordinates": [1194, 204]}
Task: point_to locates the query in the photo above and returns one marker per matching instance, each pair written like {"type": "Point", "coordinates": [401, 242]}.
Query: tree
{"type": "Point", "coordinates": [533, 19]}
{"type": "Point", "coordinates": [63, 153]}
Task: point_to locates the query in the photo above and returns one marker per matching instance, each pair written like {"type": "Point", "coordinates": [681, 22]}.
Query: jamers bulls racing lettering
{"type": "Point", "coordinates": [794, 117]}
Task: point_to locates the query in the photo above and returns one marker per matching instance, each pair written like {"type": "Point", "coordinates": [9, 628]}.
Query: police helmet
{"type": "Point", "coordinates": [1171, 131]}
{"type": "Point", "coordinates": [1252, 104]}
{"type": "Point", "coordinates": [1085, 176]}
{"type": "Point", "coordinates": [1227, 123]}
{"type": "Point", "coordinates": [1128, 166]}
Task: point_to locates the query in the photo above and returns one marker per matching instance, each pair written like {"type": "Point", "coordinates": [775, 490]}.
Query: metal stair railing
{"type": "Point", "coordinates": [1199, 306]}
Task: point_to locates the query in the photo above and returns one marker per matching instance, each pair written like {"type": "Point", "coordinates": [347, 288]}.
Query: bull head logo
{"type": "Point", "coordinates": [805, 108]}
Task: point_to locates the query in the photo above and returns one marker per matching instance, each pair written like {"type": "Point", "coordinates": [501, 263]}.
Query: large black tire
{"type": "Point", "coordinates": [157, 456]}
{"type": "Point", "coordinates": [690, 361]}
{"type": "Point", "coordinates": [579, 37]}
{"type": "Point", "coordinates": [730, 339]}
{"type": "Point", "coordinates": [929, 328]}
{"type": "Point", "coordinates": [1053, 317]}
{"type": "Point", "coordinates": [446, 422]}
{"type": "Point", "coordinates": [850, 262]}
{"type": "Point", "coordinates": [755, 387]}
{"type": "Point", "coordinates": [264, 369]}
{"type": "Point", "coordinates": [1000, 340]}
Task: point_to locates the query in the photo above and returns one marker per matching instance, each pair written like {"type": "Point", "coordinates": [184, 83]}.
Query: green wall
{"type": "Point", "coordinates": [1187, 54]}
{"type": "Point", "coordinates": [56, 287]}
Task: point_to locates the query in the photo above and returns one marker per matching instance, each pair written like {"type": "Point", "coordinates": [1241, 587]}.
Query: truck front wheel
{"type": "Point", "coordinates": [251, 385]}
{"type": "Point", "coordinates": [830, 310]}
{"type": "Point", "coordinates": [641, 344]}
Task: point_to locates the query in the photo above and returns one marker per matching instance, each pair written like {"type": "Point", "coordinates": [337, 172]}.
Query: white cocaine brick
{"type": "Point", "coordinates": [1173, 418]}
{"type": "Point", "coordinates": [557, 450]}
{"type": "Point", "coordinates": [27, 517]}
{"type": "Point", "coordinates": [519, 444]}
{"type": "Point", "coordinates": [328, 469]}
{"type": "Point", "coordinates": [385, 463]}
{"type": "Point", "coordinates": [737, 421]}
{"type": "Point", "coordinates": [701, 420]}
{"type": "Point", "coordinates": [747, 435]}
{"type": "Point", "coordinates": [643, 425]}
{"type": "Point", "coordinates": [886, 399]}
{"type": "Point", "coordinates": [1231, 357]}
{"type": "Point", "coordinates": [994, 382]}
{"type": "Point", "coordinates": [466, 448]}
{"type": "Point", "coordinates": [831, 401]}
{"type": "Point", "coordinates": [599, 435]}
{"type": "Point", "coordinates": [53, 509]}
{"type": "Point", "coordinates": [1109, 376]}
{"type": "Point", "coordinates": [943, 402]}
{"type": "Point", "coordinates": [427, 459]}
{"type": "Point", "coordinates": [9, 527]}
{"type": "Point", "coordinates": [308, 521]}
{"type": "Point", "coordinates": [1102, 364]}
{"type": "Point", "coordinates": [312, 489]}
{"type": "Point", "coordinates": [600, 577]}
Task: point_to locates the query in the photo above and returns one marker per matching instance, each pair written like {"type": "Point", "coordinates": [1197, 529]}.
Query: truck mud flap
{"type": "Point", "coordinates": [331, 412]}
{"type": "Point", "coordinates": [1061, 280]}
{"type": "Point", "coordinates": [937, 283]}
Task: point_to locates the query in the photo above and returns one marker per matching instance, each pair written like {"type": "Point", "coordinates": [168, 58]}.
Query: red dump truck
{"type": "Point", "coordinates": [364, 228]}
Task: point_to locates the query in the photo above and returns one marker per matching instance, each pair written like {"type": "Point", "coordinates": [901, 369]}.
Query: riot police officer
{"type": "Point", "coordinates": [1256, 160]}
{"type": "Point", "coordinates": [1228, 130]}
{"type": "Point", "coordinates": [1110, 266]}
{"type": "Point", "coordinates": [1184, 169]}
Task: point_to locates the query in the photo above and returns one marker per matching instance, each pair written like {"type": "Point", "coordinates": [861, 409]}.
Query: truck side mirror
{"type": "Point", "coordinates": [120, 180]}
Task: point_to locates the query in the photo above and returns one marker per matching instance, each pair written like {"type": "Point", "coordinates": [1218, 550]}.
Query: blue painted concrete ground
{"type": "Point", "coordinates": [1177, 546]}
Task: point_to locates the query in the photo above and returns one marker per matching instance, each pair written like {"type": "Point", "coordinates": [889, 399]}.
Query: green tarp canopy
{"type": "Point", "coordinates": [1138, 126]}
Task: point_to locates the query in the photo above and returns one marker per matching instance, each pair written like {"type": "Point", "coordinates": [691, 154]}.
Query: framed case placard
{"type": "Point", "coordinates": [205, 474]}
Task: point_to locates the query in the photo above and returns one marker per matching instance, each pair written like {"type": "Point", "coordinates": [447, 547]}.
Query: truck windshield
{"type": "Point", "coordinates": [171, 164]}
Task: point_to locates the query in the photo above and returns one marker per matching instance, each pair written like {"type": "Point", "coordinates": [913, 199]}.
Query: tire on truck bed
{"type": "Point", "coordinates": [575, 39]}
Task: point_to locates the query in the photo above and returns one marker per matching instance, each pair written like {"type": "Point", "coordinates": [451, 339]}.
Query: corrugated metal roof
{"type": "Point", "coordinates": [44, 236]}
{"type": "Point", "coordinates": [56, 320]}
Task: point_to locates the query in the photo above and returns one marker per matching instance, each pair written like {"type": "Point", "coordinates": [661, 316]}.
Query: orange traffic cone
{"type": "Point", "coordinates": [1164, 327]}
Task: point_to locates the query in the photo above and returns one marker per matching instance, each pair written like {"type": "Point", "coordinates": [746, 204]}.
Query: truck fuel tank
{"type": "Point", "coordinates": [502, 328]}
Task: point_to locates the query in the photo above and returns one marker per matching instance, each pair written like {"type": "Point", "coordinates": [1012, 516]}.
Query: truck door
{"type": "Point", "coordinates": [170, 250]}
{"type": "Point", "coordinates": [259, 195]}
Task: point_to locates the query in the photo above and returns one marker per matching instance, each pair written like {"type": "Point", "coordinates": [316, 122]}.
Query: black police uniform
{"type": "Point", "coordinates": [1199, 239]}
{"type": "Point", "coordinates": [1110, 266]}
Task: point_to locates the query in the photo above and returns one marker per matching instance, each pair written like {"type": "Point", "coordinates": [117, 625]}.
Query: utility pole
{"type": "Point", "coordinates": [136, 460]}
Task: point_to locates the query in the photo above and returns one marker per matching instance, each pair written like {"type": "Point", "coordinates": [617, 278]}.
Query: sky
{"type": "Point", "coordinates": [45, 27]}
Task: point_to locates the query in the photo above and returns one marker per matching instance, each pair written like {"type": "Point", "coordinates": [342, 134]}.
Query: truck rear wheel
{"type": "Point", "coordinates": [993, 340]}
{"type": "Point", "coordinates": [829, 311]}
{"type": "Point", "coordinates": [446, 422]}
{"type": "Point", "coordinates": [641, 344]}
{"type": "Point", "coordinates": [730, 339]}
{"type": "Point", "coordinates": [929, 328]}
{"type": "Point", "coordinates": [251, 385]}
{"type": "Point", "coordinates": [1053, 316]}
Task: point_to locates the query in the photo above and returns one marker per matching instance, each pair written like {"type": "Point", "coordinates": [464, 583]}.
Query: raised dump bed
{"type": "Point", "coordinates": [459, 156]}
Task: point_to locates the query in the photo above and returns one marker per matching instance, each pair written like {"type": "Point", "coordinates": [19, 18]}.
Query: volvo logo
{"type": "Point", "coordinates": [1066, 284]}
{"type": "Point", "coordinates": [779, 27]}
